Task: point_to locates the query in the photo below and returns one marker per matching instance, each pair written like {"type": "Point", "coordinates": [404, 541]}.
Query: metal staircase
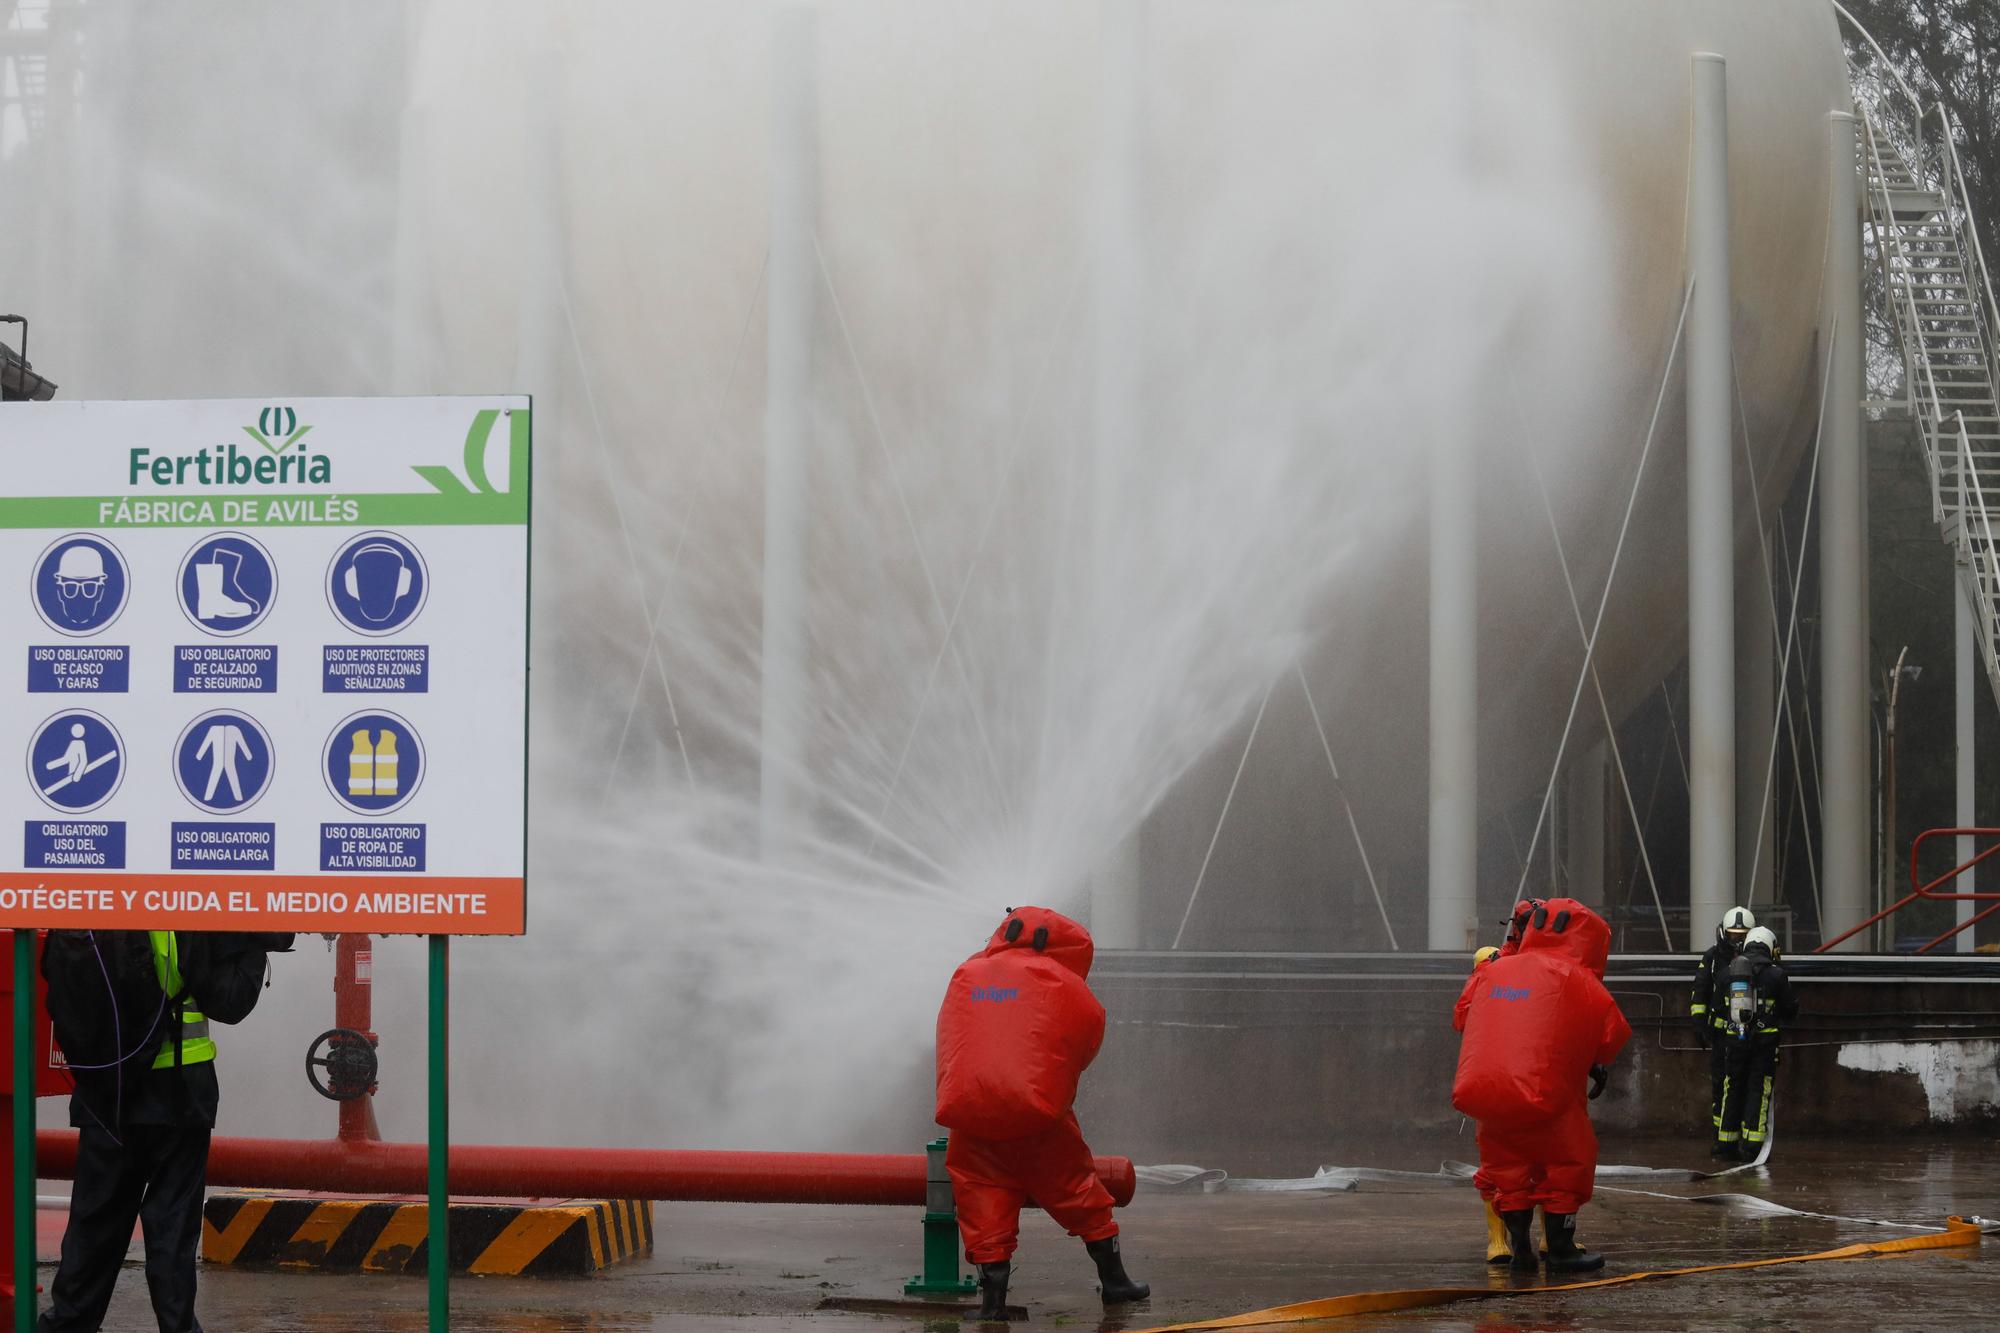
{"type": "Point", "coordinates": [1939, 300]}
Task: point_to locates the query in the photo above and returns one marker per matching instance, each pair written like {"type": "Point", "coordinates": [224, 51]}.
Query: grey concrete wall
{"type": "Point", "coordinates": [1196, 1066]}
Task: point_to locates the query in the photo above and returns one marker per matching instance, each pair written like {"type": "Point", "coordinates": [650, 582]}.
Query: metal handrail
{"type": "Point", "coordinates": [1916, 104]}
{"type": "Point", "coordinates": [1887, 234]}
{"type": "Point", "coordinates": [1962, 200]}
{"type": "Point", "coordinates": [1983, 583]}
{"type": "Point", "coordinates": [1927, 892]}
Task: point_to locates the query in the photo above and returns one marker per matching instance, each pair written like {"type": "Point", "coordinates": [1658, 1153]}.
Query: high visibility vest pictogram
{"type": "Point", "coordinates": [372, 765]}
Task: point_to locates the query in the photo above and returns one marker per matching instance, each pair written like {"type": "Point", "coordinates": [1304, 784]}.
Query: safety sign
{"type": "Point", "coordinates": [228, 583]}
{"type": "Point", "coordinates": [79, 584]}
{"type": "Point", "coordinates": [281, 633]}
{"type": "Point", "coordinates": [76, 761]}
{"type": "Point", "coordinates": [223, 762]}
{"type": "Point", "coordinates": [377, 584]}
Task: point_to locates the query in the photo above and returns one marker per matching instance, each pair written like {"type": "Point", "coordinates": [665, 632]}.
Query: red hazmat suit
{"type": "Point", "coordinates": [1017, 1029]}
{"type": "Point", "coordinates": [1535, 1022]}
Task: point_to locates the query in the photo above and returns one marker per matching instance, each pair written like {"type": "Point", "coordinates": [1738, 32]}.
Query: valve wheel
{"type": "Point", "coordinates": [341, 1064]}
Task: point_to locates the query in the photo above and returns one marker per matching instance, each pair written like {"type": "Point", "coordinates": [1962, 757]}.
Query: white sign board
{"type": "Point", "coordinates": [270, 664]}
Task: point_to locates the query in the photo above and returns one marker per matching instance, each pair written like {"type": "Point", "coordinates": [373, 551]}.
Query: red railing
{"type": "Point", "coordinates": [1928, 892]}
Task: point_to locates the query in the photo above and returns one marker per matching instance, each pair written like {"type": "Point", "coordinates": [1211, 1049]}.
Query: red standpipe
{"type": "Point", "coordinates": [354, 1009]}
{"type": "Point", "coordinates": [568, 1173]}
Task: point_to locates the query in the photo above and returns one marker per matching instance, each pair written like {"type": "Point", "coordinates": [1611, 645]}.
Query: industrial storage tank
{"type": "Point", "coordinates": [1128, 332]}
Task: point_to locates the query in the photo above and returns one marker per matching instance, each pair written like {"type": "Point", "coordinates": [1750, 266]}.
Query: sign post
{"type": "Point", "coordinates": [24, 1130]}
{"type": "Point", "coordinates": [438, 1214]}
{"type": "Point", "coordinates": [275, 679]}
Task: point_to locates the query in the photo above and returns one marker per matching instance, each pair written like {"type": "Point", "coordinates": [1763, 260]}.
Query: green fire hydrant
{"type": "Point", "coordinates": [941, 1275]}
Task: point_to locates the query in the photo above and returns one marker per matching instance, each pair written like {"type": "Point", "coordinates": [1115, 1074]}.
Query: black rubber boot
{"type": "Point", "coordinates": [1520, 1226]}
{"type": "Point", "coordinates": [1721, 1149]}
{"type": "Point", "coordinates": [1111, 1272]}
{"type": "Point", "coordinates": [1564, 1254]}
{"type": "Point", "coordinates": [993, 1291]}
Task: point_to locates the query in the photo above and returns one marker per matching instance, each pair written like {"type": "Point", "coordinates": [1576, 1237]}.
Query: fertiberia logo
{"type": "Point", "coordinates": [277, 430]}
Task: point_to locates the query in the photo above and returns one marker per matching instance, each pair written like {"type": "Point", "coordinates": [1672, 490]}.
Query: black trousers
{"type": "Point", "coordinates": [1746, 1099]}
{"type": "Point", "coordinates": [153, 1177]}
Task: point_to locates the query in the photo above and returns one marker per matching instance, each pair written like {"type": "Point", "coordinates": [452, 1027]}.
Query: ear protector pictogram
{"type": "Point", "coordinates": [405, 576]}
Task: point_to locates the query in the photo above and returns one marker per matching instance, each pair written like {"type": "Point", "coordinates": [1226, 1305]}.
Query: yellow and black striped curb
{"type": "Point", "coordinates": [387, 1236]}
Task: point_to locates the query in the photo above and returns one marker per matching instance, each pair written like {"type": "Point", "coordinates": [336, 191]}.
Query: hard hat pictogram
{"type": "Point", "coordinates": [79, 584]}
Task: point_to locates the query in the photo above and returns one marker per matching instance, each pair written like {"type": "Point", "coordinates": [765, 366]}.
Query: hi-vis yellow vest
{"type": "Point", "coordinates": [196, 1045]}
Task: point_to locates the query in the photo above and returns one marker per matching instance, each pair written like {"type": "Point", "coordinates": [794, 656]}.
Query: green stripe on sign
{"type": "Point", "coordinates": [263, 511]}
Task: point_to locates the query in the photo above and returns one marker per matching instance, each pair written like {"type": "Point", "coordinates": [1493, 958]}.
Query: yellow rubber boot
{"type": "Point", "coordinates": [1497, 1249]}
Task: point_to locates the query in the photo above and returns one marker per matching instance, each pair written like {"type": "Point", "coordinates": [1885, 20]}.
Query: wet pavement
{"type": "Point", "coordinates": [768, 1268]}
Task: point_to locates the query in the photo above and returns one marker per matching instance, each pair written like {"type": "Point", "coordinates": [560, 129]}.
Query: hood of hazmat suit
{"type": "Point", "coordinates": [1017, 1029]}
{"type": "Point", "coordinates": [1537, 1020]}
{"type": "Point", "coordinates": [1517, 924]}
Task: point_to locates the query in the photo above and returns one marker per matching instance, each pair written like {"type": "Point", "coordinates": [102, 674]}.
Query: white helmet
{"type": "Point", "coordinates": [80, 562]}
{"type": "Point", "coordinates": [1762, 935]}
{"type": "Point", "coordinates": [1736, 922]}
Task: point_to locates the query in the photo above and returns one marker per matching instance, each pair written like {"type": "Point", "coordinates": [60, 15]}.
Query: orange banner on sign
{"type": "Point", "coordinates": [359, 904]}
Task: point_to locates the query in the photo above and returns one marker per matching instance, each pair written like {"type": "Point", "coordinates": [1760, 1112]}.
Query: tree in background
{"type": "Point", "coordinates": [1948, 52]}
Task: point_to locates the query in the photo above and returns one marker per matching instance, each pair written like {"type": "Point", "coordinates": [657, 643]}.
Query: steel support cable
{"type": "Point", "coordinates": [611, 484]}
{"type": "Point", "coordinates": [1809, 752]}
{"type": "Point", "coordinates": [945, 617]}
{"type": "Point", "coordinates": [1792, 628]}
{"type": "Point", "coordinates": [653, 610]}
{"type": "Point", "coordinates": [1783, 708]}
{"type": "Point", "coordinates": [1222, 818]}
{"type": "Point", "coordinates": [1674, 731]}
{"type": "Point", "coordinates": [1340, 788]}
{"type": "Point", "coordinates": [986, 529]}
{"type": "Point", "coordinates": [1646, 824]}
{"type": "Point", "coordinates": [1603, 707]}
{"type": "Point", "coordinates": [1610, 582]}
{"type": "Point", "coordinates": [1805, 666]}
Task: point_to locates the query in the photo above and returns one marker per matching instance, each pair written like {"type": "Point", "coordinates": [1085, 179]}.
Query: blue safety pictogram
{"type": "Point", "coordinates": [223, 762]}
{"type": "Point", "coordinates": [227, 584]}
{"type": "Point", "coordinates": [76, 761]}
{"type": "Point", "coordinates": [80, 584]}
{"type": "Point", "coordinates": [377, 583]}
{"type": "Point", "coordinates": [373, 763]}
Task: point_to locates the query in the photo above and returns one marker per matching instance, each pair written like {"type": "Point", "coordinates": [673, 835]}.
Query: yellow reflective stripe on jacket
{"type": "Point", "coordinates": [196, 1045]}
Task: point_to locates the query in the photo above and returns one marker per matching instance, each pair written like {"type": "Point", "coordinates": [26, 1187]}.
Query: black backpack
{"type": "Point", "coordinates": [105, 1001]}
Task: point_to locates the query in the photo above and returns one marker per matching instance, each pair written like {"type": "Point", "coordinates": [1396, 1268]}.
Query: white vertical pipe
{"type": "Point", "coordinates": [1843, 556]}
{"type": "Point", "coordinates": [538, 313]}
{"type": "Point", "coordinates": [1756, 721]}
{"type": "Point", "coordinates": [1711, 523]}
{"type": "Point", "coordinates": [1966, 662]}
{"type": "Point", "coordinates": [1453, 900]}
{"type": "Point", "coordinates": [1584, 802]}
{"type": "Point", "coordinates": [792, 296]}
{"type": "Point", "coordinates": [410, 332]}
{"type": "Point", "coordinates": [1454, 694]}
{"type": "Point", "coordinates": [411, 336]}
{"type": "Point", "coordinates": [1118, 324]}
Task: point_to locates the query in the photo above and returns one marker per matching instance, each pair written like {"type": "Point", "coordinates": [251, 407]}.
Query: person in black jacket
{"type": "Point", "coordinates": [1705, 1002]}
{"type": "Point", "coordinates": [143, 1130]}
{"type": "Point", "coordinates": [1759, 1002]}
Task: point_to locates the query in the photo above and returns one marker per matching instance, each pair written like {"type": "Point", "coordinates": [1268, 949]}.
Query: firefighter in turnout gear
{"type": "Point", "coordinates": [1705, 1001]}
{"type": "Point", "coordinates": [1759, 1002]}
